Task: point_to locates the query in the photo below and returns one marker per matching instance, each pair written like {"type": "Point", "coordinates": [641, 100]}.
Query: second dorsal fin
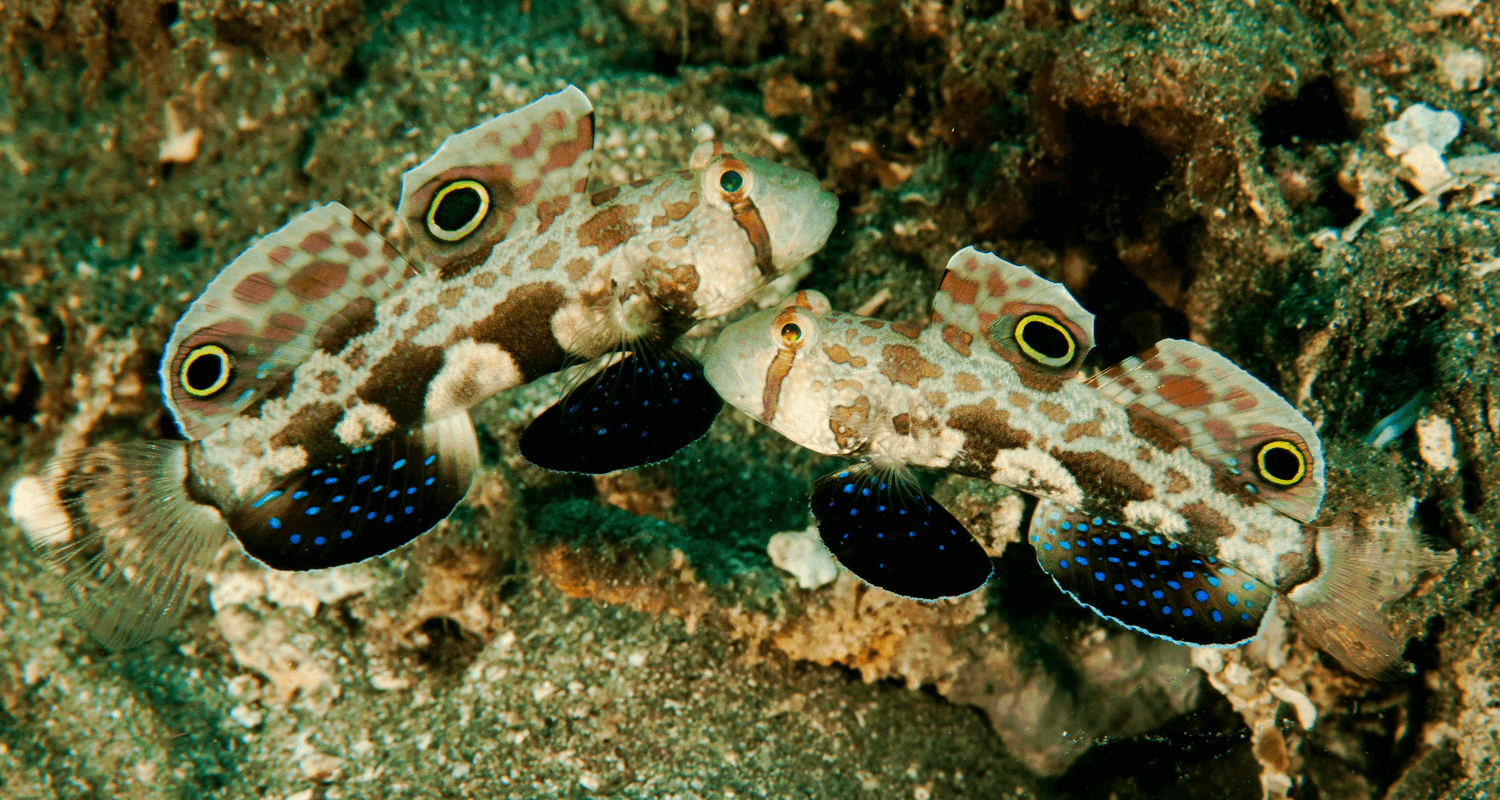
{"type": "Point", "coordinates": [1191, 396]}
{"type": "Point", "coordinates": [1030, 321]}
{"type": "Point", "coordinates": [514, 173]}
{"type": "Point", "coordinates": [313, 283]}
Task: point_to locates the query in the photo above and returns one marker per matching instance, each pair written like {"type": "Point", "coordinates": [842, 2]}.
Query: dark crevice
{"type": "Point", "coordinates": [1100, 193]}
{"type": "Point", "coordinates": [21, 406]}
{"type": "Point", "coordinates": [445, 647]}
{"type": "Point", "coordinates": [1200, 755]}
{"type": "Point", "coordinates": [1315, 116]}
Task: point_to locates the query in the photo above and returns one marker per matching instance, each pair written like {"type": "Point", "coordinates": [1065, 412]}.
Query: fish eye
{"type": "Point", "coordinates": [205, 371]}
{"type": "Point", "coordinates": [731, 181]}
{"type": "Point", "coordinates": [1281, 463]}
{"type": "Point", "coordinates": [457, 210]}
{"type": "Point", "coordinates": [791, 334]}
{"type": "Point", "coordinates": [1045, 340]}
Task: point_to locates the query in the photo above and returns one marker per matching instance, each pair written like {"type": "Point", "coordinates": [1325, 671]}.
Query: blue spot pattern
{"type": "Point", "coordinates": [637, 411]}
{"type": "Point", "coordinates": [894, 536]}
{"type": "Point", "coordinates": [1145, 581]}
{"type": "Point", "coordinates": [360, 504]}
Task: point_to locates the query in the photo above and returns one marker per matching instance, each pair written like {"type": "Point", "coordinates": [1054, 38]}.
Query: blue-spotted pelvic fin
{"type": "Point", "coordinates": [1032, 322]}
{"type": "Point", "coordinates": [1183, 394]}
{"type": "Point", "coordinates": [637, 411]}
{"type": "Point", "coordinates": [363, 503]}
{"type": "Point", "coordinates": [1145, 581]}
{"type": "Point", "coordinates": [514, 173]}
{"type": "Point", "coordinates": [311, 284]}
{"type": "Point", "coordinates": [130, 541]}
{"type": "Point", "coordinates": [885, 529]}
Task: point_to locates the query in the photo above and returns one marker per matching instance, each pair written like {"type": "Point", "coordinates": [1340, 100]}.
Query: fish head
{"type": "Point", "coordinates": [756, 221]}
{"type": "Point", "coordinates": [772, 366]}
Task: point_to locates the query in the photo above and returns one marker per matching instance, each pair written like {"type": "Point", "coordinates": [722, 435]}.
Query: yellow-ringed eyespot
{"type": "Point", "coordinates": [1045, 340]}
{"type": "Point", "coordinates": [791, 334]}
{"type": "Point", "coordinates": [1281, 463]}
{"type": "Point", "coordinates": [457, 210]}
{"type": "Point", "coordinates": [205, 371]}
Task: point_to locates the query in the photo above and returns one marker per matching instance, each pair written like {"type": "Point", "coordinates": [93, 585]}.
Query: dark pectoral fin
{"type": "Point", "coordinates": [893, 535]}
{"type": "Point", "coordinates": [637, 411]}
{"type": "Point", "coordinates": [1145, 581]}
{"type": "Point", "coordinates": [364, 503]}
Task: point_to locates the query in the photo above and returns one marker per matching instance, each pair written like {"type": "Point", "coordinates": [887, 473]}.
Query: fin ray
{"type": "Point", "coordinates": [1364, 568]}
{"type": "Point", "coordinates": [132, 543]}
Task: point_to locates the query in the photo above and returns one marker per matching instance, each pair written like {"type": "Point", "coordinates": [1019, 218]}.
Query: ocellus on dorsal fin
{"type": "Point", "coordinates": [513, 174]}
{"type": "Point", "coordinates": [1030, 321]}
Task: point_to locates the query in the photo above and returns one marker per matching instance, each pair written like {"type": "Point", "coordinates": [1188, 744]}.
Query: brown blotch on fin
{"type": "Point", "coordinates": [958, 339]}
{"type": "Point", "coordinates": [355, 319]}
{"type": "Point", "coordinates": [1164, 434]}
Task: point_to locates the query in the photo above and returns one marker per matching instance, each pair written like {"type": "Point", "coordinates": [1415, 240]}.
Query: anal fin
{"type": "Point", "coordinates": [363, 503]}
{"type": "Point", "coordinates": [1145, 581]}
{"type": "Point", "coordinates": [637, 411]}
{"type": "Point", "coordinates": [893, 535]}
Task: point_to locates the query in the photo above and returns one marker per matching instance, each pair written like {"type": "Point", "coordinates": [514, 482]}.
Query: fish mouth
{"type": "Point", "coordinates": [730, 365]}
{"type": "Point", "coordinates": [797, 213]}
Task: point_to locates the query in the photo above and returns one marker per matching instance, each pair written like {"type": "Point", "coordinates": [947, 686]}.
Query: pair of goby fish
{"type": "Point", "coordinates": [323, 384]}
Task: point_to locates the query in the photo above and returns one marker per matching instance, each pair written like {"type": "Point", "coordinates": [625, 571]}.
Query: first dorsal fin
{"type": "Point", "coordinates": [311, 284]}
{"type": "Point", "coordinates": [1030, 321]}
{"type": "Point", "coordinates": [515, 173]}
{"type": "Point", "coordinates": [1189, 395]}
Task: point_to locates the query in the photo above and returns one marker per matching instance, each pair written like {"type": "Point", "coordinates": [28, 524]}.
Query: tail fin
{"type": "Point", "coordinates": [119, 521]}
{"type": "Point", "coordinates": [1363, 568]}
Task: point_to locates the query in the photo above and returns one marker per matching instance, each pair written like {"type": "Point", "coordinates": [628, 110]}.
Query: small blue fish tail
{"type": "Point", "coordinates": [119, 523]}
{"type": "Point", "coordinates": [1364, 567]}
